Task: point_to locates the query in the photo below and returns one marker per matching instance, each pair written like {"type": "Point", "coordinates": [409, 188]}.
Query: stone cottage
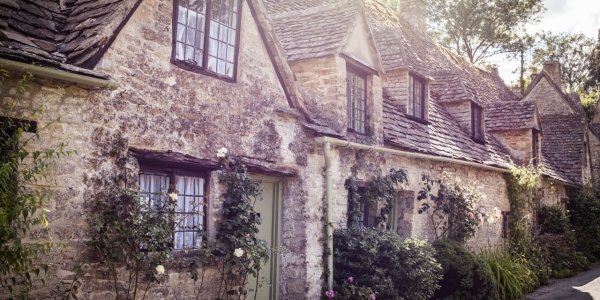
{"type": "Point", "coordinates": [295, 88]}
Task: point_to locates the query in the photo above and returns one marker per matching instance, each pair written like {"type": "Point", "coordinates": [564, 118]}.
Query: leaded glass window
{"type": "Point", "coordinates": [357, 101]}
{"type": "Point", "coordinates": [416, 97]}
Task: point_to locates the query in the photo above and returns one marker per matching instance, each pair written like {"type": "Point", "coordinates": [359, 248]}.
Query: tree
{"type": "Point", "coordinates": [478, 29]}
{"type": "Point", "coordinates": [593, 80]}
{"type": "Point", "coordinates": [574, 53]}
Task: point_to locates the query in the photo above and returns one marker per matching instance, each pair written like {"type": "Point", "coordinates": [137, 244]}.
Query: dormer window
{"type": "Point", "coordinates": [206, 36]}
{"type": "Point", "coordinates": [476, 122]}
{"type": "Point", "coordinates": [357, 99]}
{"type": "Point", "coordinates": [416, 97]}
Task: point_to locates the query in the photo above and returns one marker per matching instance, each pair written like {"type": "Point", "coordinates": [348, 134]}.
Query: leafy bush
{"type": "Point", "coordinates": [392, 267]}
{"type": "Point", "coordinates": [512, 274]}
{"type": "Point", "coordinates": [540, 269]}
{"type": "Point", "coordinates": [585, 220]}
{"type": "Point", "coordinates": [557, 242]}
{"type": "Point", "coordinates": [466, 276]}
{"type": "Point", "coordinates": [561, 255]}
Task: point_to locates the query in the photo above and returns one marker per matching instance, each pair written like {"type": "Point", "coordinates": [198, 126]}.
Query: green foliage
{"type": "Point", "coordinates": [478, 29]}
{"type": "Point", "coordinates": [572, 51]}
{"type": "Point", "coordinates": [585, 221]}
{"type": "Point", "coordinates": [379, 260]}
{"type": "Point", "coordinates": [379, 189]}
{"type": "Point", "coordinates": [557, 242]}
{"type": "Point", "coordinates": [131, 232]}
{"type": "Point", "coordinates": [237, 232]}
{"type": "Point", "coordinates": [534, 258]}
{"type": "Point", "coordinates": [466, 276]}
{"type": "Point", "coordinates": [593, 78]}
{"type": "Point", "coordinates": [513, 277]}
{"type": "Point", "coordinates": [24, 182]}
{"type": "Point", "coordinates": [451, 211]}
{"type": "Point", "coordinates": [589, 100]}
{"type": "Point", "coordinates": [522, 184]}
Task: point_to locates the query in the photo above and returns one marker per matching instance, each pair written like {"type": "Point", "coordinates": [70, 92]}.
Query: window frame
{"type": "Point", "coordinates": [202, 69]}
{"type": "Point", "coordinates": [173, 173]}
{"type": "Point", "coordinates": [505, 223]}
{"type": "Point", "coordinates": [535, 147]}
{"type": "Point", "coordinates": [350, 108]}
{"type": "Point", "coordinates": [412, 97]}
{"type": "Point", "coordinates": [474, 107]}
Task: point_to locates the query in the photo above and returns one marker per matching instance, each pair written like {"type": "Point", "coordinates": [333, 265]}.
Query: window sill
{"type": "Point", "coordinates": [418, 120]}
{"type": "Point", "coordinates": [198, 70]}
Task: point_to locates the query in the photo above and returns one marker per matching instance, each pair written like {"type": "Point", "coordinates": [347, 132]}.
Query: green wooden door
{"type": "Point", "coordinates": [269, 230]}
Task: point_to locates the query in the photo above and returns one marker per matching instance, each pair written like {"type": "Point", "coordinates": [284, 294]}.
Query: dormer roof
{"type": "Point", "coordinates": [513, 115]}
{"type": "Point", "coordinates": [577, 109]}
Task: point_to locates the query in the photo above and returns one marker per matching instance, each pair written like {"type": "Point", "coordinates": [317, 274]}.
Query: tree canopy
{"type": "Point", "coordinates": [573, 51]}
{"type": "Point", "coordinates": [478, 29]}
{"type": "Point", "coordinates": [593, 79]}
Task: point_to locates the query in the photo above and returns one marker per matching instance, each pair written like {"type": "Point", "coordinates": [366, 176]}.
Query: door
{"type": "Point", "coordinates": [269, 230]}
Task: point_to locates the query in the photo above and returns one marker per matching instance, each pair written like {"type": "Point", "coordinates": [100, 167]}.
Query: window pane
{"type": "Point", "coordinates": [229, 70]}
{"type": "Point", "coordinates": [180, 33]}
{"type": "Point", "coordinates": [212, 64]}
{"type": "Point", "coordinates": [189, 52]}
{"type": "Point", "coordinates": [182, 14]}
{"type": "Point", "coordinates": [214, 29]}
{"type": "Point", "coordinates": [221, 67]}
{"type": "Point", "coordinates": [212, 47]}
{"type": "Point", "coordinates": [222, 50]}
{"type": "Point", "coordinates": [191, 37]}
{"type": "Point", "coordinates": [179, 53]}
{"type": "Point", "coordinates": [192, 18]}
{"type": "Point", "coordinates": [152, 186]}
{"type": "Point", "coordinates": [230, 52]}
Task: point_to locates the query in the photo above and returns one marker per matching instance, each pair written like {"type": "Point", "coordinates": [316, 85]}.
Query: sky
{"type": "Point", "coordinates": [572, 16]}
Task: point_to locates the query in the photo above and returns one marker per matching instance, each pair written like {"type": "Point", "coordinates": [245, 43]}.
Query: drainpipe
{"type": "Point", "coordinates": [58, 74]}
{"type": "Point", "coordinates": [328, 177]}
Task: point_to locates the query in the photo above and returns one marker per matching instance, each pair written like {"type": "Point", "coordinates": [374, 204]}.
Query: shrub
{"type": "Point", "coordinates": [466, 276]}
{"type": "Point", "coordinates": [512, 274]}
{"type": "Point", "coordinates": [392, 267]}
{"type": "Point", "coordinates": [585, 220]}
{"type": "Point", "coordinates": [557, 242]}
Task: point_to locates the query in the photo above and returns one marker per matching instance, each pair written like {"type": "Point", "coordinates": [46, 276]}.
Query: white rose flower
{"type": "Point", "coordinates": [222, 152]}
{"type": "Point", "coordinates": [173, 196]}
{"type": "Point", "coordinates": [238, 252]}
{"type": "Point", "coordinates": [160, 269]}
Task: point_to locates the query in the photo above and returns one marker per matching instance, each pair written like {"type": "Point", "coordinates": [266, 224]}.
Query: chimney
{"type": "Point", "coordinates": [415, 13]}
{"type": "Point", "coordinates": [493, 70]}
{"type": "Point", "coordinates": [534, 73]}
{"type": "Point", "coordinates": [552, 67]}
{"type": "Point", "coordinates": [517, 90]}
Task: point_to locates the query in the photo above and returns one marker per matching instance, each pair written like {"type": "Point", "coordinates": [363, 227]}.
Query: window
{"type": "Point", "coordinates": [190, 201]}
{"type": "Point", "coordinates": [476, 122]}
{"type": "Point", "coordinates": [357, 100]}
{"type": "Point", "coordinates": [505, 220]}
{"type": "Point", "coordinates": [206, 36]}
{"type": "Point", "coordinates": [535, 147]}
{"type": "Point", "coordinates": [416, 97]}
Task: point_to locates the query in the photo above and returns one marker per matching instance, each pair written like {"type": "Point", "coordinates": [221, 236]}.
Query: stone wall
{"type": "Point", "coordinates": [519, 142]}
{"type": "Point", "coordinates": [548, 100]}
{"type": "Point", "coordinates": [461, 112]}
{"type": "Point", "coordinates": [594, 150]}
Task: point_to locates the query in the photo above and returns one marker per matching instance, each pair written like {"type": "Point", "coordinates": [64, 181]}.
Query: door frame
{"type": "Point", "coordinates": [275, 230]}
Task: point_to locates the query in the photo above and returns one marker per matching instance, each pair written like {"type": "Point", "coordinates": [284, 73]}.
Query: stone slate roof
{"type": "Point", "coordinates": [442, 137]}
{"type": "Point", "coordinates": [510, 115]}
{"type": "Point", "coordinates": [562, 144]}
{"type": "Point", "coordinates": [277, 6]}
{"type": "Point", "coordinates": [401, 47]}
{"type": "Point", "coordinates": [65, 36]}
{"type": "Point", "coordinates": [317, 32]}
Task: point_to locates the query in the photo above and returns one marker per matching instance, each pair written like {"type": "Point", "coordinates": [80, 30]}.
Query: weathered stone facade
{"type": "Point", "coordinates": [270, 115]}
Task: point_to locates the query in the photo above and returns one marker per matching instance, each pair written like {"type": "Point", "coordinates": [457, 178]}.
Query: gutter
{"type": "Point", "coordinates": [58, 74]}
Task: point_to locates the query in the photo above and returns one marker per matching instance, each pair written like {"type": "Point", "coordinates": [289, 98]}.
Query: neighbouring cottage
{"type": "Point", "coordinates": [282, 84]}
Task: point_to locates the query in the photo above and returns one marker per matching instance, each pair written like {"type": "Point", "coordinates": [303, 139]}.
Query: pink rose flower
{"type": "Point", "coordinates": [350, 279]}
{"type": "Point", "coordinates": [372, 296]}
{"type": "Point", "coordinates": [471, 215]}
{"type": "Point", "coordinates": [329, 294]}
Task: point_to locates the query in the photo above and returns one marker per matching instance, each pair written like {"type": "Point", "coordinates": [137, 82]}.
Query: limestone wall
{"type": "Point", "coordinates": [461, 112]}
{"type": "Point", "coordinates": [548, 99]}
{"type": "Point", "coordinates": [519, 142]}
